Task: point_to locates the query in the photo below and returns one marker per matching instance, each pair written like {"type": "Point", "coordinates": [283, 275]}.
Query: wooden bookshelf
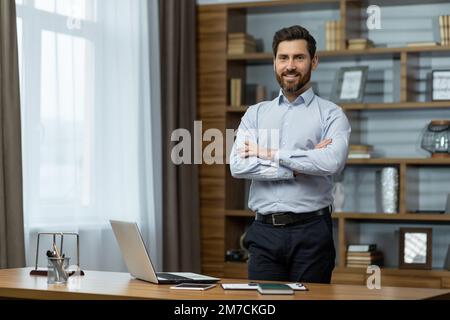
{"type": "Point", "coordinates": [222, 213]}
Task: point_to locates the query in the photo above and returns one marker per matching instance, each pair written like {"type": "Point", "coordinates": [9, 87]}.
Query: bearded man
{"type": "Point", "coordinates": [291, 238]}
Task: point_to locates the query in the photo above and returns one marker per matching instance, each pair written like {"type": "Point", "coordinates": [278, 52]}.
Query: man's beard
{"type": "Point", "coordinates": [293, 86]}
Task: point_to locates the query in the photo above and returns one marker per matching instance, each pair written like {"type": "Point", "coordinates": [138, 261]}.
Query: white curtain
{"type": "Point", "coordinates": [90, 101]}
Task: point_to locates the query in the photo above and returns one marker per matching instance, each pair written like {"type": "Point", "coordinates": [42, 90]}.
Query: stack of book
{"type": "Point", "coordinates": [333, 35]}
{"type": "Point", "coordinates": [359, 44]}
{"type": "Point", "coordinates": [240, 42]}
{"type": "Point", "coordinates": [444, 28]}
{"type": "Point", "coordinates": [362, 256]}
{"type": "Point", "coordinates": [236, 92]}
{"type": "Point", "coordinates": [360, 151]}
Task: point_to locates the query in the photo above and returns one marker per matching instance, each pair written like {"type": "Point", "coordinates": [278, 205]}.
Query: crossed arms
{"type": "Point", "coordinates": [248, 160]}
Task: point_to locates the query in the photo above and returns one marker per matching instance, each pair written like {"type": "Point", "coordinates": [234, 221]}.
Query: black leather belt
{"type": "Point", "coordinates": [282, 219]}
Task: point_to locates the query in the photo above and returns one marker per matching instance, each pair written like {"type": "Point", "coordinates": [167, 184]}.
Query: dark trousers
{"type": "Point", "coordinates": [303, 252]}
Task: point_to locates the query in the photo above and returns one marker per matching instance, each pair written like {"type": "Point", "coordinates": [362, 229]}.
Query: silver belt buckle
{"type": "Point", "coordinates": [274, 223]}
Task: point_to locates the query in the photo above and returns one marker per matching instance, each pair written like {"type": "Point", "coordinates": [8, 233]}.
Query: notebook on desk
{"type": "Point", "coordinates": [138, 260]}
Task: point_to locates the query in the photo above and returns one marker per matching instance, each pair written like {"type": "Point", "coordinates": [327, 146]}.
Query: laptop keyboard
{"type": "Point", "coordinates": [170, 276]}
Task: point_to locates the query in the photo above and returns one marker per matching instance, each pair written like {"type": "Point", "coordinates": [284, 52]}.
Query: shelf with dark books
{"type": "Point", "coordinates": [363, 256]}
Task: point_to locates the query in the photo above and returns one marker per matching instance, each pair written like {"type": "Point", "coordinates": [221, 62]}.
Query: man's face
{"type": "Point", "coordinates": [293, 65]}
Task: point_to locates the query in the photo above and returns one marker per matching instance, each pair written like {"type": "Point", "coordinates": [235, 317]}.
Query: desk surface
{"type": "Point", "coordinates": [18, 283]}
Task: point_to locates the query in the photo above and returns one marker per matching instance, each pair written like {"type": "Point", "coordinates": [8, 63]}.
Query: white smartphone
{"type": "Point", "coordinates": [194, 286]}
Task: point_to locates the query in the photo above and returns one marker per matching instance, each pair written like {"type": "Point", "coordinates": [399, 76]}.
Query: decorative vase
{"type": "Point", "coordinates": [436, 138]}
{"type": "Point", "coordinates": [338, 196]}
{"type": "Point", "coordinates": [389, 189]}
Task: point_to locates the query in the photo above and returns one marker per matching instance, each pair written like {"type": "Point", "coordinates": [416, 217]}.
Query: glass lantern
{"type": "Point", "coordinates": [436, 138]}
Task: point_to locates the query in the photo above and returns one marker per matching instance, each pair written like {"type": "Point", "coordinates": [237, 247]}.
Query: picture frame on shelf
{"type": "Point", "coordinates": [440, 85]}
{"type": "Point", "coordinates": [415, 248]}
{"type": "Point", "coordinates": [447, 205]}
{"type": "Point", "coordinates": [350, 84]}
{"type": "Point", "coordinates": [447, 260]}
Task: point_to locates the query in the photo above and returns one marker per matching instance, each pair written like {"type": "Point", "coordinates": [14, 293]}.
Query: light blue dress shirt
{"type": "Point", "coordinates": [294, 129]}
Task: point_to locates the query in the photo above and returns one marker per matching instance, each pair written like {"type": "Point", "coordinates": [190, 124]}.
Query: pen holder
{"type": "Point", "coordinates": [57, 270]}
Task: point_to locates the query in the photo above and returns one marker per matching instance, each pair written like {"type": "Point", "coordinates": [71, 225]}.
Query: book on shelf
{"type": "Point", "coordinates": [240, 43]}
{"type": "Point", "coordinates": [235, 92]}
{"type": "Point", "coordinates": [363, 265]}
{"type": "Point", "coordinates": [364, 259]}
{"type": "Point", "coordinates": [333, 35]}
{"type": "Point", "coordinates": [447, 30]}
{"type": "Point", "coordinates": [359, 44]}
{"type": "Point", "coordinates": [444, 29]}
{"type": "Point", "coordinates": [359, 155]}
{"type": "Point", "coordinates": [239, 35]}
{"type": "Point", "coordinates": [375, 260]}
{"type": "Point", "coordinates": [360, 151]}
{"type": "Point", "coordinates": [364, 254]}
{"type": "Point", "coordinates": [361, 147]}
{"type": "Point", "coordinates": [361, 247]}
{"type": "Point", "coordinates": [241, 49]}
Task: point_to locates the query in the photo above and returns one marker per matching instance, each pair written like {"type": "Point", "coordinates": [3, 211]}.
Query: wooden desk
{"type": "Point", "coordinates": [17, 283]}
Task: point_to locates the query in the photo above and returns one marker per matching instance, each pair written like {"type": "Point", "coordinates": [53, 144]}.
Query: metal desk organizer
{"type": "Point", "coordinates": [44, 271]}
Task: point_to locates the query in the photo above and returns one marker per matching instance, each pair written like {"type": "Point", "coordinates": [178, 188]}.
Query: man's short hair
{"type": "Point", "coordinates": [294, 33]}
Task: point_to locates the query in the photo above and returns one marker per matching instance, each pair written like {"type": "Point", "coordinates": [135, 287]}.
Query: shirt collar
{"type": "Point", "coordinates": [306, 98]}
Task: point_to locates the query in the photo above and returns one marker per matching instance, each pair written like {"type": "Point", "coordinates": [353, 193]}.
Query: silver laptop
{"type": "Point", "coordinates": [138, 260]}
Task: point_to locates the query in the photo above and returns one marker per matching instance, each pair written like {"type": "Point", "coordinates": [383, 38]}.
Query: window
{"type": "Point", "coordinates": [57, 86]}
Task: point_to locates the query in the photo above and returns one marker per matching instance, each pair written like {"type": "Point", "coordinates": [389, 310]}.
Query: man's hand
{"type": "Point", "coordinates": [323, 144]}
{"type": "Point", "coordinates": [251, 149]}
